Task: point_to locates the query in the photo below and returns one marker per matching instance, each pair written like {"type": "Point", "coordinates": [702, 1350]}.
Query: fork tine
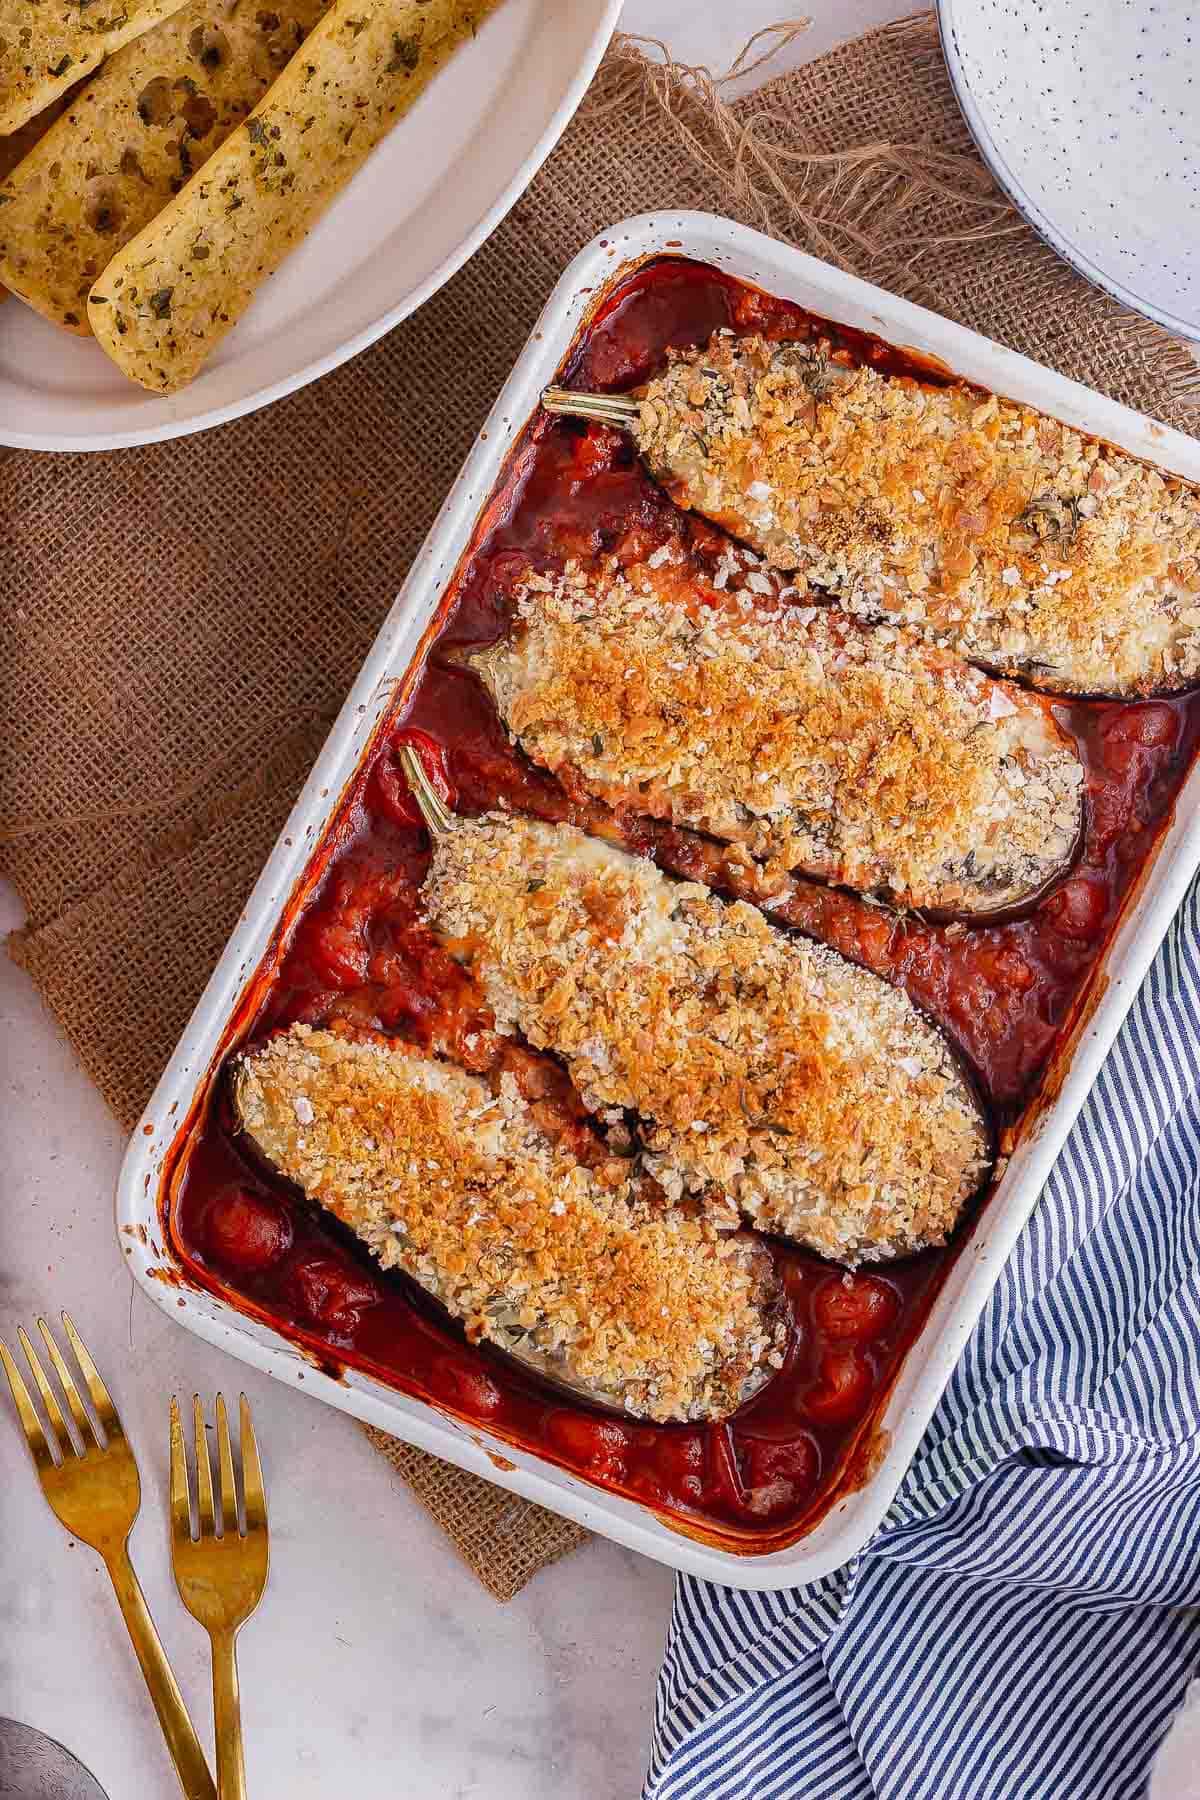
{"type": "Point", "coordinates": [106, 1412]}
{"type": "Point", "coordinates": [229, 1516]}
{"type": "Point", "coordinates": [83, 1424]}
{"type": "Point", "coordinates": [204, 1507]}
{"type": "Point", "coordinates": [181, 1501]}
{"type": "Point", "coordinates": [58, 1425]}
{"type": "Point", "coordinates": [254, 1493]}
{"type": "Point", "coordinates": [30, 1423]}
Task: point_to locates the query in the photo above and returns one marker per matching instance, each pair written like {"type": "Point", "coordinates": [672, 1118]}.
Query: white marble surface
{"type": "Point", "coordinates": [376, 1666]}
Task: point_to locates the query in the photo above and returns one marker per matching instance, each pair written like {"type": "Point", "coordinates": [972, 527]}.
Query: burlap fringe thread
{"type": "Point", "coordinates": [850, 206]}
{"type": "Point", "coordinates": [888, 210]}
{"type": "Point", "coordinates": [861, 157]}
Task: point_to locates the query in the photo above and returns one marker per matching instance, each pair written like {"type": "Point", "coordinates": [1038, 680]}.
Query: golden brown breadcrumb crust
{"type": "Point", "coordinates": [640, 1306]}
{"type": "Point", "coordinates": [804, 1087]}
{"type": "Point", "coordinates": [852, 752]}
{"type": "Point", "coordinates": [994, 530]}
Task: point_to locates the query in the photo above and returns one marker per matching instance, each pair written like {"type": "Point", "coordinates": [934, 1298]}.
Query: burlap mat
{"type": "Point", "coordinates": [182, 621]}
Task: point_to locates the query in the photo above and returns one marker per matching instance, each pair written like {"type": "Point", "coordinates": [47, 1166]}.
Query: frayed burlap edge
{"type": "Point", "coordinates": [503, 1539]}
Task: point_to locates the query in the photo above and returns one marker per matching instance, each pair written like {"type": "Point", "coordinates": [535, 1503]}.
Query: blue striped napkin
{"type": "Point", "coordinates": [1013, 1631]}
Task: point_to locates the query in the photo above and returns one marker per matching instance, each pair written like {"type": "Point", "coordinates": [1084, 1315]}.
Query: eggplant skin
{"type": "Point", "coordinates": [856, 754]}
{"type": "Point", "coordinates": [764, 1067]}
{"type": "Point", "coordinates": [993, 530]}
{"type": "Point", "coordinates": [576, 1274]}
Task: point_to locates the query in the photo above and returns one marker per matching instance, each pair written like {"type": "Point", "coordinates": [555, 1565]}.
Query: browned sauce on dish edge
{"type": "Point", "coordinates": [1006, 992]}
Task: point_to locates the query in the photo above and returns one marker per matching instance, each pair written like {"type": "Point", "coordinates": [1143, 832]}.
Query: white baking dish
{"type": "Point", "coordinates": [854, 1516]}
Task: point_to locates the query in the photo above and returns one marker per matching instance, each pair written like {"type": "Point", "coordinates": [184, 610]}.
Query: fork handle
{"type": "Point", "coordinates": [177, 1728]}
{"type": "Point", "coordinates": [227, 1717]}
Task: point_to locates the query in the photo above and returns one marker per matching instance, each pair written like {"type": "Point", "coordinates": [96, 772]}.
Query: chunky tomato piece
{"type": "Point", "coordinates": [247, 1230]}
{"type": "Point", "coordinates": [399, 1002]}
{"type": "Point", "coordinates": [778, 1475]}
{"type": "Point", "coordinates": [1154, 726]}
{"type": "Point", "coordinates": [639, 541]}
{"type": "Point", "coordinates": [874, 938]}
{"type": "Point", "coordinates": [333, 939]}
{"type": "Point", "coordinates": [594, 450]}
{"type": "Point", "coordinates": [1110, 815]}
{"type": "Point", "coordinates": [1003, 962]}
{"type": "Point", "coordinates": [1126, 758]}
{"type": "Point", "coordinates": [597, 1446]}
{"type": "Point", "coordinates": [843, 1388]}
{"type": "Point", "coordinates": [467, 1386]}
{"type": "Point", "coordinates": [1079, 908]}
{"type": "Point", "coordinates": [971, 1001]}
{"type": "Point", "coordinates": [757, 312]}
{"type": "Point", "coordinates": [330, 1293]}
{"type": "Point", "coordinates": [339, 954]}
{"type": "Point", "coordinates": [856, 1308]}
{"type": "Point", "coordinates": [564, 540]}
{"type": "Point", "coordinates": [679, 1457]}
{"type": "Point", "coordinates": [395, 796]}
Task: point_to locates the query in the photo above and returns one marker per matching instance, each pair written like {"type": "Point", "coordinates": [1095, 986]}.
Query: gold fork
{"type": "Point", "coordinates": [220, 1578]}
{"type": "Point", "coordinates": [90, 1478]}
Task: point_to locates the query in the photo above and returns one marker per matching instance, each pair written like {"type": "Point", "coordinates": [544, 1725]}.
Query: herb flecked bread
{"type": "Point", "coordinates": [168, 298]}
{"type": "Point", "coordinates": [131, 139]}
{"type": "Point", "coordinates": [47, 47]}
{"type": "Point", "coordinates": [16, 145]}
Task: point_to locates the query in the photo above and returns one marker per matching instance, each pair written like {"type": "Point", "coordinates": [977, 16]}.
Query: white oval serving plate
{"type": "Point", "coordinates": [143, 1190]}
{"type": "Point", "coordinates": [430, 194]}
{"type": "Point", "coordinates": [1089, 118]}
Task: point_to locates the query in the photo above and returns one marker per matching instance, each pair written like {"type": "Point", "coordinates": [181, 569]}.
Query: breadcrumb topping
{"type": "Point", "coordinates": [805, 1088]}
{"type": "Point", "coordinates": [989, 527]}
{"type": "Point", "coordinates": [636, 1305]}
{"type": "Point", "coordinates": [852, 752]}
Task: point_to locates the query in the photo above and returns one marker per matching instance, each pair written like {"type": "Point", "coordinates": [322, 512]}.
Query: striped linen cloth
{"type": "Point", "coordinates": [1018, 1627]}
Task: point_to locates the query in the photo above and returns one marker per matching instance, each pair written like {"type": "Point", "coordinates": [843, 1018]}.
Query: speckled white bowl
{"type": "Point", "coordinates": [1088, 114]}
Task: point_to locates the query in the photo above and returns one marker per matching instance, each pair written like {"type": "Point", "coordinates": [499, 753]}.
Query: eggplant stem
{"type": "Point", "coordinates": [433, 809]}
{"type": "Point", "coordinates": [620, 410]}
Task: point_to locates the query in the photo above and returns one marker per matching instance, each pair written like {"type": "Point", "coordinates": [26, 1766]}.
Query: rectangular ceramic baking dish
{"type": "Point", "coordinates": [927, 1367]}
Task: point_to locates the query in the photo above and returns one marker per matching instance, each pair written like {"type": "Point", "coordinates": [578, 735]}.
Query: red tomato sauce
{"type": "Point", "coordinates": [1005, 992]}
